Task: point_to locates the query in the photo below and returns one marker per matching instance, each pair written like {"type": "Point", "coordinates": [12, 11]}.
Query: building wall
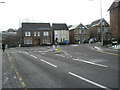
{"type": "Point", "coordinates": [72, 36]}
{"type": "Point", "coordinates": [0, 39]}
{"type": "Point", "coordinates": [37, 40]}
{"type": "Point", "coordinates": [61, 35]}
{"type": "Point", "coordinates": [81, 34]}
{"type": "Point", "coordinates": [115, 22]}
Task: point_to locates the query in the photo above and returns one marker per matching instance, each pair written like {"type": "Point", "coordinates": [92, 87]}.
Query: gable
{"type": "Point", "coordinates": [98, 23]}
{"type": "Point", "coordinates": [114, 5]}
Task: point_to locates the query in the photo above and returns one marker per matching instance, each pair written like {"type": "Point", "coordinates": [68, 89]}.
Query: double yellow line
{"type": "Point", "coordinates": [16, 71]}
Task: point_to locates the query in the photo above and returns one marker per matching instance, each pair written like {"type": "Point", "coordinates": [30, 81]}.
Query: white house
{"type": "Point", "coordinates": [60, 32]}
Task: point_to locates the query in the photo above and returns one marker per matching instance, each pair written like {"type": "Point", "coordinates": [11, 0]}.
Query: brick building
{"type": "Point", "coordinates": [36, 34]}
{"type": "Point", "coordinates": [78, 33]}
{"type": "Point", "coordinates": [95, 29]}
{"type": "Point", "coordinates": [115, 19]}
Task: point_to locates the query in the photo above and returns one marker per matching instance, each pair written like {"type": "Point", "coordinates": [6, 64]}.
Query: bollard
{"type": "Point", "coordinates": [54, 48]}
{"type": "Point", "coordinates": [58, 48]}
{"type": "Point", "coordinates": [19, 45]}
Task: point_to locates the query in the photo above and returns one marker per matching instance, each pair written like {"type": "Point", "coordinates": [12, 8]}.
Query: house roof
{"type": "Point", "coordinates": [59, 26]}
{"type": "Point", "coordinates": [98, 22]}
{"type": "Point", "coordinates": [88, 26]}
{"type": "Point", "coordinates": [75, 26]}
{"type": "Point", "coordinates": [36, 26]}
{"type": "Point", "coordinates": [114, 5]}
{"type": "Point", "coordinates": [11, 30]}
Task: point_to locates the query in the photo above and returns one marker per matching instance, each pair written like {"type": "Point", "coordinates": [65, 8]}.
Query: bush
{"type": "Point", "coordinates": [106, 42]}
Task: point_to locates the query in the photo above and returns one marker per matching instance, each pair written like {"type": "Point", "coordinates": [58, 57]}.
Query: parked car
{"type": "Point", "coordinates": [114, 41]}
{"type": "Point", "coordinates": [86, 41]}
{"type": "Point", "coordinates": [65, 42]}
{"type": "Point", "coordinates": [91, 40]}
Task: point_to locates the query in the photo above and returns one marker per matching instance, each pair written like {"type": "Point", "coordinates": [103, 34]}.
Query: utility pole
{"type": "Point", "coordinates": [101, 22]}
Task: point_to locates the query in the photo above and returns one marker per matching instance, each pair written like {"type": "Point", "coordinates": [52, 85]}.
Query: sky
{"type": "Point", "coordinates": [71, 12]}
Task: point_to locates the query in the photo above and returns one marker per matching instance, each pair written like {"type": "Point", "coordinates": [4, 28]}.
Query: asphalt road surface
{"type": "Point", "coordinates": [75, 67]}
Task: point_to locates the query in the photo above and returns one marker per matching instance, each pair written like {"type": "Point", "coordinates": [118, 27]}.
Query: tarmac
{"type": "Point", "coordinates": [0, 69]}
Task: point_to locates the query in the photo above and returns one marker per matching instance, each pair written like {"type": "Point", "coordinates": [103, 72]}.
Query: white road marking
{"type": "Point", "coordinates": [89, 81]}
{"type": "Point", "coordinates": [12, 52]}
{"type": "Point", "coordinates": [62, 55]}
{"type": "Point", "coordinates": [98, 48]}
{"type": "Point", "coordinates": [33, 56]}
{"type": "Point", "coordinates": [26, 52]}
{"type": "Point", "coordinates": [49, 63]}
{"type": "Point", "coordinates": [40, 51]}
{"type": "Point", "coordinates": [6, 79]}
{"type": "Point", "coordinates": [14, 77]}
{"type": "Point", "coordinates": [81, 60]}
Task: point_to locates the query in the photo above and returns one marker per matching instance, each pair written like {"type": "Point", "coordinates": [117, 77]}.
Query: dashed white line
{"type": "Point", "coordinates": [33, 56]}
{"type": "Point", "coordinates": [81, 60]}
{"type": "Point", "coordinates": [49, 63]}
{"type": "Point", "coordinates": [89, 81]}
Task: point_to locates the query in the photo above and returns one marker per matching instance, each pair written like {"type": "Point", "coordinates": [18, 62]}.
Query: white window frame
{"type": "Point", "coordinates": [28, 41]}
{"type": "Point", "coordinates": [46, 33]}
{"type": "Point", "coordinates": [35, 33]}
{"type": "Point", "coordinates": [27, 33]}
{"type": "Point", "coordinates": [80, 31]}
{"type": "Point", "coordinates": [38, 33]}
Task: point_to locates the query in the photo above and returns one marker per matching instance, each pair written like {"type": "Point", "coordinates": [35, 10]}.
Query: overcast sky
{"type": "Point", "coordinates": [71, 12]}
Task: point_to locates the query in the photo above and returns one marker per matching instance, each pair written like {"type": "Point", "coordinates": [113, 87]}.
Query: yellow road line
{"type": "Point", "coordinates": [23, 84]}
{"type": "Point", "coordinates": [20, 79]}
{"type": "Point", "coordinates": [109, 53]}
{"type": "Point", "coordinates": [16, 71]}
{"type": "Point", "coordinates": [112, 53]}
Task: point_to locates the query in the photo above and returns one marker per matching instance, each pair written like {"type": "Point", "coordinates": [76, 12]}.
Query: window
{"type": "Point", "coordinates": [46, 34]}
{"type": "Point", "coordinates": [35, 34]}
{"type": "Point", "coordinates": [83, 31]}
{"type": "Point", "coordinates": [28, 41]}
{"type": "Point", "coordinates": [98, 30]}
{"type": "Point", "coordinates": [27, 33]}
{"type": "Point", "coordinates": [38, 33]}
{"type": "Point", "coordinates": [80, 31]}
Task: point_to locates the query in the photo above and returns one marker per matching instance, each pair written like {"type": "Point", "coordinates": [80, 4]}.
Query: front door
{"type": "Point", "coordinates": [38, 41]}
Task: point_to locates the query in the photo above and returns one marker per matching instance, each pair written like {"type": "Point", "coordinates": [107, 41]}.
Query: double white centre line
{"type": "Point", "coordinates": [49, 63]}
{"type": "Point", "coordinates": [89, 81]}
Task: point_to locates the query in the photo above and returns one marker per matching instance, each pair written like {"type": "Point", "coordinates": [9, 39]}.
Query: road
{"type": "Point", "coordinates": [75, 67]}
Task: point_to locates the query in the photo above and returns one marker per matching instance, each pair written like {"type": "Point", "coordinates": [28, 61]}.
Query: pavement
{"type": "Point", "coordinates": [99, 47]}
